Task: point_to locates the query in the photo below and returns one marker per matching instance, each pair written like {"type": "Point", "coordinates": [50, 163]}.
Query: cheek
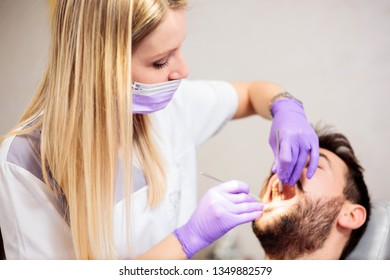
{"type": "Point", "coordinates": [318, 186]}
{"type": "Point", "coordinates": [142, 73]}
{"type": "Point", "coordinates": [148, 75]}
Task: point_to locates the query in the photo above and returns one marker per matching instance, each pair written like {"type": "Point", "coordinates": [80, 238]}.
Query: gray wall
{"type": "Point", "coordinates": [24, 42]}
{"type": "Point", "coordinates": [333, 55]}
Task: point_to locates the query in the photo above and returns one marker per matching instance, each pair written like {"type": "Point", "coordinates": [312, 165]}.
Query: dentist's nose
{"type": "Point", "coordinates": [181, 71]}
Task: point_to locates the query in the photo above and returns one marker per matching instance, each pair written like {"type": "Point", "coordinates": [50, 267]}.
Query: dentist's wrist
{"type": "Point", "coordinates": [279, 97]}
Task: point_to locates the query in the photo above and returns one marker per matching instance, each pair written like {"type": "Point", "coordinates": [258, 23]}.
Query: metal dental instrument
{"type": "Point", "coordinates": [220, 181]}
{"type": "Point", "coordinates": [280, 185]}
{"type": "Point", "coordinates": [211, 177]}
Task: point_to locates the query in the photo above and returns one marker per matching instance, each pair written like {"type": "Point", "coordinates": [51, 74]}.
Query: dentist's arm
{"type": "Point", "coordinates": [296, 136]}
{"type": "Point", "coordinates": [169, 248]}
{"type": "Point", "coordinates": [255, 98]}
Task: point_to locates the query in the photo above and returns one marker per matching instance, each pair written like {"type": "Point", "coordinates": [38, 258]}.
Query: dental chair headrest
{"type": "Point", "coordinates": [375, 243]}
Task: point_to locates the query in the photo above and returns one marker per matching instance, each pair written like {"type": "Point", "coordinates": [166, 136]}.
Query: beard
{"type": "Point", "coordinates": [301, 230]}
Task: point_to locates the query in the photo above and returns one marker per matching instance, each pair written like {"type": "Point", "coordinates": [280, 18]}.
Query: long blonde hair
{"type": "Point", "coordinates": [83, 106]}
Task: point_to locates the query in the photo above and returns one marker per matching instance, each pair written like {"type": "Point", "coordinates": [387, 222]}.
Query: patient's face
{"type": "Point", "coordinates": [298, 221]}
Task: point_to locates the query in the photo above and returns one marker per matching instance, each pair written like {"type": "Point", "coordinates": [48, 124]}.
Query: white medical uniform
{"type": "Point", "coordinates": [31, 218]}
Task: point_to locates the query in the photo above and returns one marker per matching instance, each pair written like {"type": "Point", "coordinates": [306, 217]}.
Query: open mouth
{"type": "Point", "coordinates": [273, 194]}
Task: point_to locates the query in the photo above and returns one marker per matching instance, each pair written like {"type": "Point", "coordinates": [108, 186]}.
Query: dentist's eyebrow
{"type": "Point", "coordinates": [169, 50]}
{"type": "Point", "coordinates": [162, 54]}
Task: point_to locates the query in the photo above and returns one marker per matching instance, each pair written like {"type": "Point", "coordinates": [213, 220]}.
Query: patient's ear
{"type": "Point", "coordinates": [352, 216]}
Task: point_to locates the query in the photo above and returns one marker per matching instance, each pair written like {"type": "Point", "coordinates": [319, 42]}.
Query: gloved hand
{"type": "Point", "coordinates": [297, 139]}
{"type": "Point", "coordinates": [222, 208]}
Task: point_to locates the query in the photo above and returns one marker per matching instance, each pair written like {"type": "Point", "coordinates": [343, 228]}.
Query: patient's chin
{"type": "Point", "coordinates": [290, 232]}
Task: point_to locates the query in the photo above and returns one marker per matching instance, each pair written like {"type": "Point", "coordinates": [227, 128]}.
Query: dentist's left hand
{"type": "Point", "coordinates": [221, 209]}
{"type": "Point", "coordinates": [297, 140]}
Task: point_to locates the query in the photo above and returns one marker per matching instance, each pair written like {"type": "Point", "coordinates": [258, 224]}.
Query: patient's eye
{"type": "Point", "coordinates": [323, 162]}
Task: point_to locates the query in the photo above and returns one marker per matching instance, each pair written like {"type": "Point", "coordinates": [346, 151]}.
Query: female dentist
{"type": "Point", "coordinates": [102, 163]}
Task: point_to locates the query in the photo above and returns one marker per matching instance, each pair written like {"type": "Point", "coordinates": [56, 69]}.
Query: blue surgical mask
{"type": "Point", "coordinates": [149, 98]}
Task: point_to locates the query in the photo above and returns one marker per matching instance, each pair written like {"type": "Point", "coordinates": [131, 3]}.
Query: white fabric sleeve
{"type": "Point", "coordinates": [206, 106]}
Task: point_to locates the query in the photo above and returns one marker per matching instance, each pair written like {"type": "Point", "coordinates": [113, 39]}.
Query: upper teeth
{"type": "Point", "coordinates": [275, 190]}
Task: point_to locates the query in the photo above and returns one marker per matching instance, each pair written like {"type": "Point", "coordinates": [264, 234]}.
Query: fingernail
{"type": "Point", "coordinates": [261, 206]}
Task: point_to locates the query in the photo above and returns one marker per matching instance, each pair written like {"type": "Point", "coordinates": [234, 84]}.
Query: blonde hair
{"type": "Point", "coordinates": [83, 106]}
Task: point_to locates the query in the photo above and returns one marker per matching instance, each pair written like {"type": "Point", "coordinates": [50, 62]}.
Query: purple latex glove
{"type": "Point", "coordinates": [297, 139]}
{"type": "Point", "coordinates": [222, 208]}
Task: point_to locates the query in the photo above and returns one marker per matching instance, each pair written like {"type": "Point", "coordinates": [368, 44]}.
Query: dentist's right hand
{"type": "Point", "coordinates": [221, 209]}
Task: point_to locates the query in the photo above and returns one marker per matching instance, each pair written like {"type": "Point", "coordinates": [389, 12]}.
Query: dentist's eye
{"type": "Point", "coordinates": [161, 65]}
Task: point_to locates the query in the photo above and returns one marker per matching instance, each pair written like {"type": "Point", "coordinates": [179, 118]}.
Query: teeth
{"type": "Point", "coordinates": [275, 191]}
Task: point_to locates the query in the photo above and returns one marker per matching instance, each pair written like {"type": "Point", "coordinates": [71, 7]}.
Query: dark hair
{"type": "Point", "coordinates": [355, 189]}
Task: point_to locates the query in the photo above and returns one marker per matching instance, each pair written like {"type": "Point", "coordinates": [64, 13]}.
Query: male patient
{"type": "Point", "coordinates": [320, 218]}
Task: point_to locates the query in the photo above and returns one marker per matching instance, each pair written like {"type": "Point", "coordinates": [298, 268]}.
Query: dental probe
{"type": "Point", "coordinates": [280, 185]}
{"type": "Point", "coordinates": [220, 181]}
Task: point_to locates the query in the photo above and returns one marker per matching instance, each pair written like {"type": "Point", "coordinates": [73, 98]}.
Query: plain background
{"type": "Point", "coordinates": [333, 55]}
